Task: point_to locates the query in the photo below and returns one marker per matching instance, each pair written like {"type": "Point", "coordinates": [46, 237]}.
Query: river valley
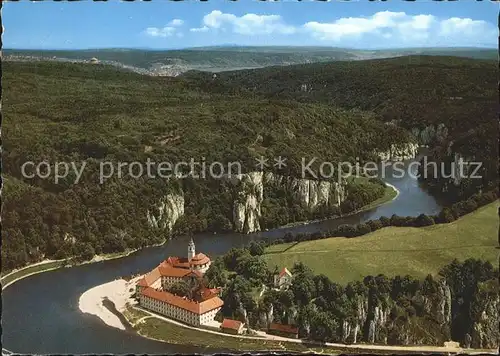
{"type": "Point", "coordinates": [41, 314]}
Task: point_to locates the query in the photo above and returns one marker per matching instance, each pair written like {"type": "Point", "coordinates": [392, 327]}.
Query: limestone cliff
{"type": "Point", "coordinates": [166, 212]}
{"type": "Point", "coordinates": [454, 168]}
{"type": "Point", "coordinates": [249, 194]}
{"type": "Point", "coordinates": [310, 194]}
{"type": "Point", "coordinates": [399, 152]}
{"type": "Point", "coordinates": [430, 134]}
{"type": "Point", "coordinates": [485, 316]}
{"type": "Point", "coordinates": [246, 208]}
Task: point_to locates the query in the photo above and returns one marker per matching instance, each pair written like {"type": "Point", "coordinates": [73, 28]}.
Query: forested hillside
{"type": "Point", "coordinates": [448, 103]}
{"type": "Point", "coordinates": [218, 58]}
{"type": "Point", "coordinates": [95, 113]}
{"type": "Point", "coordinates": [92, 113]}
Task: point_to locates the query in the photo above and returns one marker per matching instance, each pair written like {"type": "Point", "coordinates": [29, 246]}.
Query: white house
{"type": "Point", "coordinates": [283, 280]}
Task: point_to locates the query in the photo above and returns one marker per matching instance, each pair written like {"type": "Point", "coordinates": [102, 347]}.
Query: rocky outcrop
{"type": "Point", "coordinates": [439, 304]}
{"type": "Point", "coordinates": [310, 194]}
{"type": "Point", "coordinates": [249, 195]}
{"type": "Point", "coordinates": [430, 134]}
{"type": "Point", "coordinates": [167, 211]}
{"type": "Point", "coordinates": [376, 324]}
{"type": "Point", "coordinates": [246, 209]}
{"type": "Point", "coordinates": [352, 327]}
{"type": "Point", "coordinates": [266, 317]}
{"type": "Point", "coordinates": [399, 152]}
{"type": "Point", "coordinates": [449, 171]}
{"type": "Point", "coordinates": [485, 332]}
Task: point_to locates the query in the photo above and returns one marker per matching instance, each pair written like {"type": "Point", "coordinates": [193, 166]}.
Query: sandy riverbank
{"type": "Point", "coordinates": [118, 291]}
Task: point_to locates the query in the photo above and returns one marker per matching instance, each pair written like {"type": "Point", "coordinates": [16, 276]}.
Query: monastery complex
{"type": "Point", "coordinates": [203, 304]}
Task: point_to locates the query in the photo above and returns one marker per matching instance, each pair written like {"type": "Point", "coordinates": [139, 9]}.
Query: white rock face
{"type": "Point", "coordinates": [459, 166]}
{"type": "Point", "coordinates": [430, 133]}
{"type": "Point", "coordinates": [246, 209]}
{"type": "Point", "coordinates": [309, 193]}
{"type": "Point", "coordinates": [400, 152]}
{"type": "Point", "coordinates": [170, 209]}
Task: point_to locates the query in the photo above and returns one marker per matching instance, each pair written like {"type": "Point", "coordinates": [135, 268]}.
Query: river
{"type": "Point", "coordinates": [41, 314]}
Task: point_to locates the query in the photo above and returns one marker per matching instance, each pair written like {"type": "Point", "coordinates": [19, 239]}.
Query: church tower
{"type": "Point", "coordinates": [191, 250]}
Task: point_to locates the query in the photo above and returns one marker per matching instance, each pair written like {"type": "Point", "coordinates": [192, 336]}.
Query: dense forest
{"type": "Point", "coordinates": [418, 93]}
{"type": "Point", "coordinates": [62, 112]}
{"type": "Point", "coordinates": [397, 310]}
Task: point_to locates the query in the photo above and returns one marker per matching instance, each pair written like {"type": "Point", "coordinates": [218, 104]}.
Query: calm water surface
{"type": "Point", "coordinates": [41, 315]}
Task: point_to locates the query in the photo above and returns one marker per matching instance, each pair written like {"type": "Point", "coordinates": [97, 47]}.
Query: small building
{"type": "Point", "coordinates": [283, 280]}
{"type": "Point", "coordinates": [94, 60]}
{"type": "Point", "coordinates": [284, 330]}
{"type": "Point", "coordinates": [231, 326]}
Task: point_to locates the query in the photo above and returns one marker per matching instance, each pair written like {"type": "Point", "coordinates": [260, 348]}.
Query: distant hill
{"type": "Point", "coordinates": [415, 90]}
{"type": "Point", "coordinates": [231, 57]}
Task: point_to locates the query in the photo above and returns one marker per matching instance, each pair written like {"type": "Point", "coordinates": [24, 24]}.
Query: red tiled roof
{"type": "Point", "coordinates": [168, 271]}
{"type": "Point", "coordinates": [150, 278]}
{"type": "Point", "coordinates": [284, 328]}
{"type": "Point", "coordinates": [231, 324]}
{"type": "Point", "coordinates": [283, 272]}
{"type": "Point", "coordinates": [199, 259]}
{"type": "Point", "coordinates": [189, 305]}
{"type": "Point", "coordinates": [215, 290]}
{"type": "Point", "coordinates": [207, 293]}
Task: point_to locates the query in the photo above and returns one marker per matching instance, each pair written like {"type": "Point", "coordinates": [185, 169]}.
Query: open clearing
{"type": "Point", "coordinates": [396, 250]}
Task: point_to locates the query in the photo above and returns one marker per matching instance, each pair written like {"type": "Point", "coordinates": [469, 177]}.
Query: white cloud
{"type": "Point", "coordinates": [404, 28]}
{"type": "Point", "coordinates": [382, 29]}
{"type": "Point", "coordinates": [170, 30]}
{"type": "Point", "coordinates": [161, 32]}
{"type": "Point", "coordinates": [199, 29]}
{"type": "Point", "coordinates": [248, 24]}
{"type": "Point", "coordinates": [385, 23]}
{"type": "Point", "coordinates": [459, 26]}
{"type": "Point", "coordinates": [176, 22]}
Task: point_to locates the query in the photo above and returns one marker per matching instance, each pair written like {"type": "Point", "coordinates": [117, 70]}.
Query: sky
{"type": "Point", "coordinates": [164, 24]}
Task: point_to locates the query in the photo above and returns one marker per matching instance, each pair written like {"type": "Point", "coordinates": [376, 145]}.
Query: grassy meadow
{"type": "Point", "coordinates": [395, 250]}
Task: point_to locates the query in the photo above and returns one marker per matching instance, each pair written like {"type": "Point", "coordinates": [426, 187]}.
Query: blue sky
{"type": "Point", "coordinates": [164, 24]}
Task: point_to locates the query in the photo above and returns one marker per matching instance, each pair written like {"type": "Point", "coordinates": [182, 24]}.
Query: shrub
{"type": "Point", "coordinates": [424, 220]}
{"type": "Point", "coordinates": [470, 205]}
{"type": "Point", "coordinates": [458, 209]}
{"type": "Point", "coordinates": [409, 221]}
{"type": "Point", "coordinates": [363, 229]}
{"type": "Point", "coordinates": [375, 225]}
{"type": "Point", "coordinates": [385, 221]}
{"type": "Point", "coordinates": [446, 216]}
{"type": "Point", "coordinates": [397, 220]}
{"type": "Point", "coordinates": [346, 230]}
{"type": "Point", "coordinates": [288, 237]}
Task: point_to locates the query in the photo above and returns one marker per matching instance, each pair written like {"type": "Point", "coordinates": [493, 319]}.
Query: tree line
{"type": "Point", "coordinates": [446, 215]}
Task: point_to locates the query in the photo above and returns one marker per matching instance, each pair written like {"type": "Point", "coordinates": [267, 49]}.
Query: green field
{"type": "Point", "coordinates": [396, 250]}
